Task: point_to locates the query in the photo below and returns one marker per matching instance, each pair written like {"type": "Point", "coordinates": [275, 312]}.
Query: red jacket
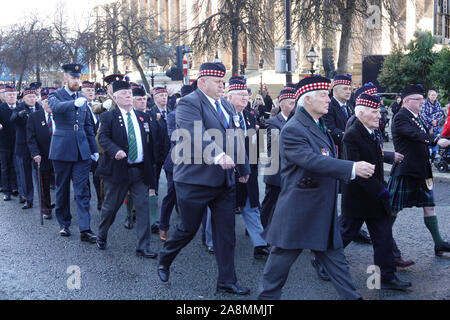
{"type": "Point", "coordinates": [446, 129]}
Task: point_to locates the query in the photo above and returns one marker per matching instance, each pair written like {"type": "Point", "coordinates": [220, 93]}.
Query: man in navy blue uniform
{"type": "Point", "coordinates": [72, 149]}
{"type": "Point", "coordinates": [23, 158]}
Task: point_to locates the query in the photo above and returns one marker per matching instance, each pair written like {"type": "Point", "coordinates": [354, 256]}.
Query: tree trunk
{"type": "Point", "coordinates": [346, 34]}
{"type": "Point", "coordinates": [115, 55]}
{"type": "Point", "coordinates": [19, 85]}
{"type": "Point", "coordinates": [142, 73]}
{"type": "Point", "coordinates": [234, 51]}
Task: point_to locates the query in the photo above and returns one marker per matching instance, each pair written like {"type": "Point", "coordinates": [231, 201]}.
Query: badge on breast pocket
{"type": "Point", "coordinates": [325, 152]}
{"type": "Point", "coordinates": [236, 121]}
{"type": "Point", "coordinates": [146, 127]}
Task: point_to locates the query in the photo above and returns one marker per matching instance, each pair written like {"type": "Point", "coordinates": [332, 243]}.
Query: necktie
{"type": "Point", "coordinates": [50, 124]}
{"type": "Point", "coordinates": [242, 122]}
{"type": "Point", "coordinates": [132, 144]}
{"type": "Point", "coordinates": [374, 137]}
{"type": "Point", "coordinates": [164, 115]}
{"type": "Point", "coordinates": [344, 108]}
{"type": "Point", "coordinates": [322, 126]}
{"type": "Point", "coordinates": [221, 115]}
{"type": "Point", "coordinates": [74, 96]}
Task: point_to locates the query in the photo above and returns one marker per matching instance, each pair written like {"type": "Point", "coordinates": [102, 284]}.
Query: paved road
{"type": "Point", "coordinates": [34, 260]}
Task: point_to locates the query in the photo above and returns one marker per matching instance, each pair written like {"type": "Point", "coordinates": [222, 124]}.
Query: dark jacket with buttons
{"type": "Point", "coordinates": [8, 133]}
{"type": "Point", "coordinates": [360, 196]}
{"type": "Point", "coordinates": [335, 120]}
{"type": "Point", "coordinates": [20, 117]}
{"type": "Point", "coordinates": [39, 138]}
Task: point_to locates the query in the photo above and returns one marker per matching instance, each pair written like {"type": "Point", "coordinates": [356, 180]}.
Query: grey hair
{"type": "Point", "coordinates": [358, 110]}
{"type": "Point", "coordinates": [301, 101]}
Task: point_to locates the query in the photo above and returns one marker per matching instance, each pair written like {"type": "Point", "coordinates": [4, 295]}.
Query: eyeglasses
{"type": "Point", "coordinates": [243, 95]}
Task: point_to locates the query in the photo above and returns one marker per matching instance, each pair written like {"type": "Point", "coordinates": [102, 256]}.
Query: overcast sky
{"type": "Point", "coordinates": [13, 11]}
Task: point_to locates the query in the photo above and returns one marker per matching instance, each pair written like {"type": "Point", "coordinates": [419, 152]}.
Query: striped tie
{"type": "Point", "coordinates": [132, 145]}
{"type": "Point", "coordinates": [50, 124]}
{"type": "Point", "coordinates": [221, 115]}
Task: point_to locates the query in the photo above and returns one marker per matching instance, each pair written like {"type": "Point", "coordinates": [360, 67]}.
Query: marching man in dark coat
{"type": "Point", "coordinates": [305, 216]}
{"type": "Point", "coordinates": [126, 165]}
{"type": "Point", "coordinates": [411, 181]}
{"type": "Point", "coordinates": [368, 200]}
{"type": "Point", "coordinates": [248, 193]}
{"type": "Point", "coordinates": [72, 149]}
{"type": "Point", "coordinates": [40, 127]}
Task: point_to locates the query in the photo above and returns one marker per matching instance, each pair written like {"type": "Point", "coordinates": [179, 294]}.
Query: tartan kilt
{"type": "Point", "coordinates": [408, 192]}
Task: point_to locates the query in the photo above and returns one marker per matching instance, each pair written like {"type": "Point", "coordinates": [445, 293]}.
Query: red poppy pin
{"type": "Point", "coordinates": [142, 119]}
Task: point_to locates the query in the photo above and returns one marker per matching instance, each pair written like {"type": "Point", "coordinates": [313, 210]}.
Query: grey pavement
{"type": "Point", "coordinates": [34, 261]}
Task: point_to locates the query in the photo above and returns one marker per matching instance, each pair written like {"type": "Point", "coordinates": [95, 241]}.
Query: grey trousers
{"type": "Point", "coordinates": [280, 261]}
{"type": "Point", "coordinates": [114, 196]}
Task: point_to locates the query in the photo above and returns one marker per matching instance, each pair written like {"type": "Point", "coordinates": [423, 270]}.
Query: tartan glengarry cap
{"type": "Point", "coordinates": [113, 77]}
{"type": "Point", "coordinates": [212, 69]}
{"type": "Point", "coordinates": [237, 83]}
{"type": "Point", "coordinates": [158, 90]}
{"type": "Point", "coordinates": [368, 100]}
{"type": "Point", "coordinates": [313, 83]}
{"type": "Point", "coordinates": [286, 93]}
{"type": "Point", "coordinates": [412, 89]}
{"type": "Point", "coordinates": [74, 69]}
{"type": "Point", "coordinates": [367, 88]}
{"type": "Point", "coordinates": [120, 85]}
{"type": "Point", "coordinates": [88, 84]}
{"type": "Point", "coordinates": [29, 90]}
{"type": "Point", "coordinates": [342, 80]}
{"type": "Point", "coordinates": [10, 88]}
{"type": "Point", "coordinates": [138, 92]}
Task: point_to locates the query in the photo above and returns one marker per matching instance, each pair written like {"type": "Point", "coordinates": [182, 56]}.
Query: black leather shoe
{"type": "Point", "coordinates": [395, 284]}
{"type": "Point", "coordinates": [64, 232]}
{"type": "Point", "coordinates": [27, 205]}
{"type": "Point", "coordinates": [88, 236]}
{"type": "Point", "coordinates": [163, 273]}
{"type": "Point", "coordinates": [363, 237]}
{"type": "Point", "coordinates": [47, 216]}
{"type": "Point", "coordinates": [155, 228]}
{"type": "Point", "coordinates": [320, 270]}
{"type": "Point", "coordinates": [7, 198]}
{"type": "Point", "coordinates": [260, 253]}
{"type": "Point", "coordinates": [22, 199]}
{"type": "Point", "coordinates": [101, 244]}
{"type": "Point", "coordinates": [234, 289]}
{"type": "Point", "coordinates": [15, 193]}
{"type": "Point", "coordinates": [128, 223]}
{"type": "Point", "coordinates": [210, 249]}
{"type": "Point", "coordinates": [146, 254]}
{"type": "Point", "coordinates": [440, 249]}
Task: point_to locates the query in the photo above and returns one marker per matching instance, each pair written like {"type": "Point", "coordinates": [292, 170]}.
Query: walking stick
{"type": "Point", "coordinates": [40, 192]}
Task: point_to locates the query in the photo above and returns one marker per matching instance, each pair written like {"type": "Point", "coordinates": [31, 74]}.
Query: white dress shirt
{"type": "Point", "coordinates": [137, 131]}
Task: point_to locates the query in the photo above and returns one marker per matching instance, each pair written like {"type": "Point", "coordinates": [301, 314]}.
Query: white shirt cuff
{"type": "Point", "coordinates": [217, 158]}
{"type": "Point", "coordinates": [353, 171]}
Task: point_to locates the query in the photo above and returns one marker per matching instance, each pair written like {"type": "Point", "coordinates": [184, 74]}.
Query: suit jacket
{"type": "Point", "coordinates": [411, 140]}
{"type": "Point", "coordinates": [21, 147]}
{"type": "Point", "coordinates": [113, 137]}
{"type": "Point", "coordinates": [39, 138]}
{"type": "Point", "coordinates": [305, 215]}
{"type": "Point", "coordinates": [162, 144]}
{"type": "Point", "coordinates": [8, 133]}
{"type": "Point", "coordinates": [199, 168]}
{"type": "Point", "coordinates": [74, 129]}
{"type": "Point", "coordinates": [274, 123]}
{"type": "Point", "coordinates": [251, 188]}
{"type": "Point", "coordinates": [336, 120]}
{"type": "Point", "coordinates": [359, 197]}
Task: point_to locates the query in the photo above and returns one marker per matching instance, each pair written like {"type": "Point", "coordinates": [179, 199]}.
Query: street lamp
{"type": "Point", "coordinates": [261, 70]}
{"type": "Point", "coordinates": [242, 68]}
{"type": "Point", "coordinates": [216, 58]}
{"type": "Point", "coordinates": [103, 71]}
{"type": "Point", "coordinates": [312, 57]}
{"type": "Point", "coordinates": [152, 67]}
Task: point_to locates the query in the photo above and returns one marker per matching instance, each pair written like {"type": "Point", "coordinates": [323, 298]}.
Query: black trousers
{"type": "Point", "coordinates": [268, 204]}
{"type": "Point", "coordinates": [8, 176]}
{"type": "Point", "coordinates": [380, 230]}
{"type": "Point", "coordinates": [168, 203]}
{"type": "Point", "coordinates": [192, 202]}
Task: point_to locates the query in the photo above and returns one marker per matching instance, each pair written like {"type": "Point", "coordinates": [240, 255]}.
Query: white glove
{"type": "Point", "coordinates": [95, 157]}
{"type": "Point", "coordinates": [107, 104]}
{"type": "Point", "coordinates": [80, 102]}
